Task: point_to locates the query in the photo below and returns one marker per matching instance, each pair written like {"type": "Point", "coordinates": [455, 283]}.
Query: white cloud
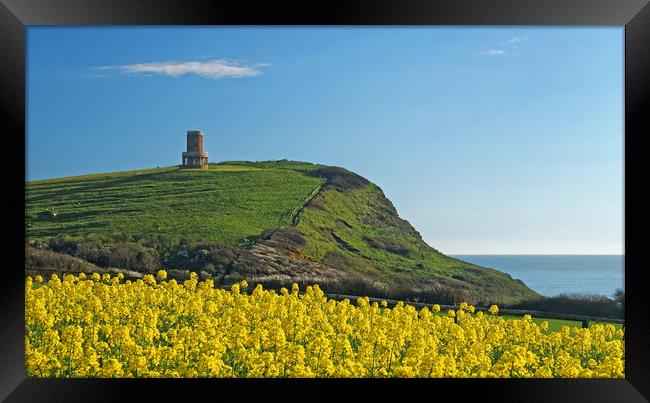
{"type": "Point", "coordinates": [509, 47]}
{"type": "Point", "coordinates": [212, 69]}
{"type": "Point", "coordinates": [514, 40]}
{"type": "Point", "coordinates": [493, 52]}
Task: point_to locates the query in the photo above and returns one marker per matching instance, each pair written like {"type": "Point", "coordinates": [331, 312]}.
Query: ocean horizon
{"type": "Point", "coordinates": [552, 275]}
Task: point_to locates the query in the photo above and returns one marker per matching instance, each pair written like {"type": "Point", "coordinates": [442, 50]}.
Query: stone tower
{"type": "Point", "coordinates": [195, 156]}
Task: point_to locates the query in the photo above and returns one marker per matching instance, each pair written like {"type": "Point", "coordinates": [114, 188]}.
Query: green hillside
{"type": "Point", "coordinates": [226, 203]}
{"type": "Point", "coordinates": [271, 222]}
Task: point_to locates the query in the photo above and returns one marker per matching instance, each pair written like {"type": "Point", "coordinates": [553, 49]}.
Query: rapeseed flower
{"type": "Point", "coordinates": [84, 327]}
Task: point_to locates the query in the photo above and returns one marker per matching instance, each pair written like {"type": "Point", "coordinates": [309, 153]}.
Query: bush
{"type": "Point", "coordinates": [619, 298]}
{"type": "Point", "coordinates": [341, 179]}
{"type": "Point", "coordinates": [146, 260]}
{"type": "Point", "coordinates": [124, 255]}
{"type": "Point", "coordinates": [63, 243]}
{"type": "Point", "coordinates": [577, 304]}
{"type": "Point", "coordinates": [47, 259]}
{"type": "Point", "coordinates": [93, 251]}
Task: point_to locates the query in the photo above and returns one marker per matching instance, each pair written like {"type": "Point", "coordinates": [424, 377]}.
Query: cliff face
{"type": "Point", "coordinates": [272, 223]}
{"type": "Point", "coordinates": [351, 226]}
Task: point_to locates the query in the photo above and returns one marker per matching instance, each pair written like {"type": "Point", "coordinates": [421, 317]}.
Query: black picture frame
{"type": "Point", "coordinates": [16, 15]}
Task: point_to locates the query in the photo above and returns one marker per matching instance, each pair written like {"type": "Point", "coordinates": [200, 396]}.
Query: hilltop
{"type": "Point", "coordinates": [272, 222]}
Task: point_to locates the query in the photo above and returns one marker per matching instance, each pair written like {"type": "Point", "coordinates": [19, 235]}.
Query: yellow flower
{"type": "Point", "coordinates": [162, 274]}
{"type": "Point", "coordinates": [149, 279]}
{"type": "Point", "coordinates": [493, 309]}
{"type": "Point", "coordinates": [147, 329]}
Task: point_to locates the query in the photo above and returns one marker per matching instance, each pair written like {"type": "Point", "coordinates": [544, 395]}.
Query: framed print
{"type": "Point", "coordinates": [424, 195]}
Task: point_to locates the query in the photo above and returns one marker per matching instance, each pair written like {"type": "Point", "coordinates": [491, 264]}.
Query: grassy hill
{"type": "Point", "coordinates": [271, 222]}
{"type": "Point", "coordinates": [226, 203]}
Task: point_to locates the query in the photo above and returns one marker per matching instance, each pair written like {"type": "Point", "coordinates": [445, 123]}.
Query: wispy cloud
{"type": "Point", "coordinates": [509, 47]}
{"type": "Point", "coordinates": [514, 40]}
{"type": "Point", "coordinates": [493, 52]}
{"type": "Point", "coordinates": [212, 69]}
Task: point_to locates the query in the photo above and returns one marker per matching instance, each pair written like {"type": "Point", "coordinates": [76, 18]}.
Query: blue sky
{"type": "Point", "coordinates": [488, 140]}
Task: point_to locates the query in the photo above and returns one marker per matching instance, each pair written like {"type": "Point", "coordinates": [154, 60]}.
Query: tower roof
{"type": "Point", "coordinates": [194, 132]}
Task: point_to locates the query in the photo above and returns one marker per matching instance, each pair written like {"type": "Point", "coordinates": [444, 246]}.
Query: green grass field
{"type": "Point", "coordinates": [225, 203]}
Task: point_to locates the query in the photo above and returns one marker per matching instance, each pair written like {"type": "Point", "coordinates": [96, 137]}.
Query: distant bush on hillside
{"type": "Point", "coordinates": [619, 298]}
{"type": "Point", "coordinates": [40, 258]}
{"type": "Point", "coordinates": [133, 256]}
{"type": "Point", "coordinates": [340, 178]}
{"type": "Point", "coordinates": [577, 304]}
{"type": "Point", "coordinates": [95, 249]}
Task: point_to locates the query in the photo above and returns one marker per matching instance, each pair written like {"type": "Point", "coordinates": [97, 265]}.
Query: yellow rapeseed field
{"type": "Point", "coordinates": [102, 326]}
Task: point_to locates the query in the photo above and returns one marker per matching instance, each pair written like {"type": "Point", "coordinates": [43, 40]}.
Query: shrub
{"type": "Point", "coordinates": [47, 259]}
{"type": "Point", "coordinates": [341, 179]}
{"type": "Point", "coordinates": [619, 298]}
{"type": "Point", "coordinates": [578, 304]}
{"type": "Point", "coordinates": [124, 255]}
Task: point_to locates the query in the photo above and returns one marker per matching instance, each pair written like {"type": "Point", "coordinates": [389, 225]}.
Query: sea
{"type": "Point", "coordinates": [552, 275]}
